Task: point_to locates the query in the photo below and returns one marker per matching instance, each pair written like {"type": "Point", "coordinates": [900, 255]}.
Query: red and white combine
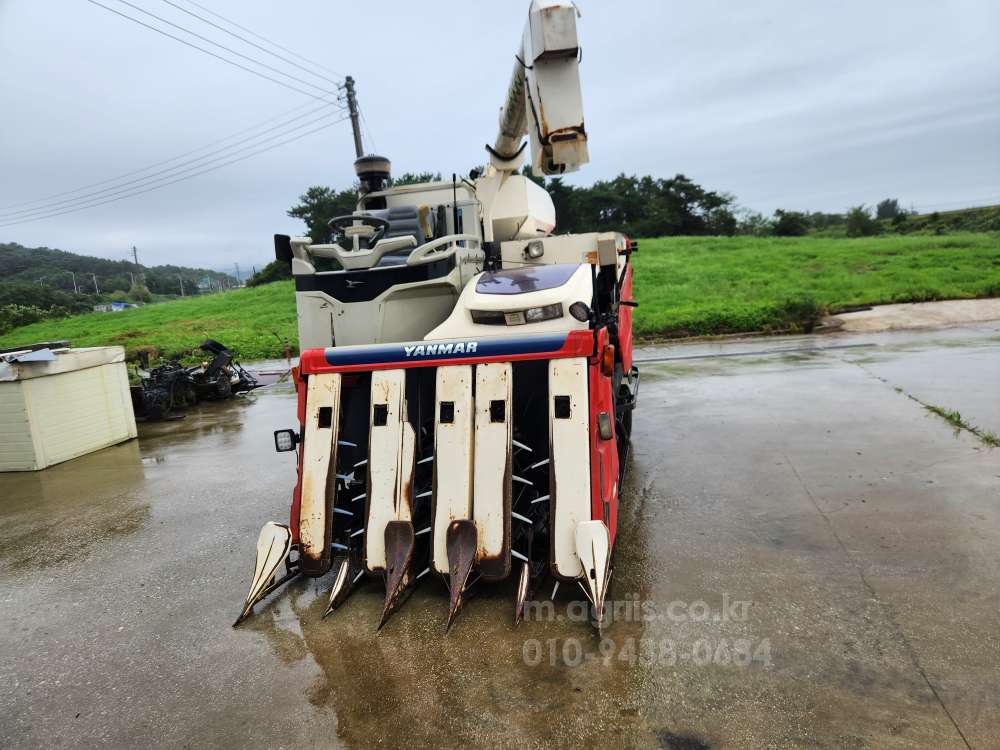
{"type": "Point", "coordinates": [466, 382]}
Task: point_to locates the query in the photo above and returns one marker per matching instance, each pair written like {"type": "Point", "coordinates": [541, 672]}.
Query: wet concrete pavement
{"type": "Point", "coordinates": [807, 558]}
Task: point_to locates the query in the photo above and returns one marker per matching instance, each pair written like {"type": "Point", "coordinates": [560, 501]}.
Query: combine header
{"type": "Point", "coordinates": [466, 383]}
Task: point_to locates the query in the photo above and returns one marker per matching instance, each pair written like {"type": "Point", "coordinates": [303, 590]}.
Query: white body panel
{"type": "Point", "coordinates": [562, 248]}
{"type": "Point", "coordinates": [555, 117]}
{"type": "Point", "coordinates": [319, 458]}
{"type": "Point", "coordinates": [570, 469]}
{"type": "Point", "coordinates": [459, 324]}
{"type": "Point", "coordinates": [522, 210]}
{"type": "Point", "coordinates": [491, 488]}
{"type": "Point", "coordinates": [390, 463]}
{"type": "Point", "coordinates": [453, 452]}
{"type": "Point", "coordinates": [403, 313]}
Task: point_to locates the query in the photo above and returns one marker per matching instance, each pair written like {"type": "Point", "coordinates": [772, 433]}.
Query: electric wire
{"type": "Point", "coordinates": [9, 213]}
{"type": "Point", "coordinates": [252, 33]}
{"type": "Point", "coordinates": [364, 122]}
{"type": "Point", "coordinates": [252, 44]}
{"type": "Point", "coordinates": [213, 54]}
{"type": "Point", "coordinates": [131, 194]}
{"type": "Point", "coordinates": [171, 172]}
{"type": "Point", "coordinates": [230, 50]}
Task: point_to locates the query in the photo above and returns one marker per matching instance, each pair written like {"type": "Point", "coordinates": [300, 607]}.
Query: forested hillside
{"type": "Point", "coordinates": [38, 283]}
{"type": "Point", "coordinates": [50, 268]}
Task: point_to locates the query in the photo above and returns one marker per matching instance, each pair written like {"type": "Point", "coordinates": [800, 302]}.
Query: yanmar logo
{"type": "Point", "coordinates": [439, 350]}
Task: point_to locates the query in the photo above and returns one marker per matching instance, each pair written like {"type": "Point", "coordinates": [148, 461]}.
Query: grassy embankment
{"type": "Point", "coordinates": [710, 285]}
{"type": "Point", "coordinates": [243, 319]}
{"type": "Point", "coordinates": [686, 286]}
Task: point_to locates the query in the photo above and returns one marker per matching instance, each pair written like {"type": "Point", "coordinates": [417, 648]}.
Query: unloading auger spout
{"type": "Point", "coordinates": [466, 385]}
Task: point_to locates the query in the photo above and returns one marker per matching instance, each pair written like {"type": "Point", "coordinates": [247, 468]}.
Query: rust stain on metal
{"type": "Point", "coordinates": [399, 542]}
{"type": "Point", "coordinates": [461, 543]}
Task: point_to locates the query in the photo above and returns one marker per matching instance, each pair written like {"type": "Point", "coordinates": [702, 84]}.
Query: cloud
{"type": "Point", "coordinates": [785, 104]}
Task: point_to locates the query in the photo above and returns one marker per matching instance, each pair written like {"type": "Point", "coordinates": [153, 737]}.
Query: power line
{"type": "Point", "coordinates": [152, 178]}
{"type": "Point", "coordinates": [265, 50]}
{"type": "Point", "coordinates": [10, 208]}
{"type": "Point", "coordinates": [254, 60]}
{"type": "Point", "coordinates": [371, 138]}
{"type": "Point", "coordinates": [180, 179]}
{"type": "Point", "coordinates": [291, 52]}
{"type": "Point", "coordinates": [24, 213]}
{"type": "Point", "coordinates": [218, 57]}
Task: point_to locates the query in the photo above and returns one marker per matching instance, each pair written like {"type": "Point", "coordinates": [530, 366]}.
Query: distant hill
{"type": "Point", "coordinates": [49, 268]}
{"type": "Point", "coordinates": [978, 219]}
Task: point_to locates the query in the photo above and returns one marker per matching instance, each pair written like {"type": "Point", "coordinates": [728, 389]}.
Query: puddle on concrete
{"type": "Point", "coordinates": [55, 516]}
{"type": "Point", "coordinates": [716, 510]}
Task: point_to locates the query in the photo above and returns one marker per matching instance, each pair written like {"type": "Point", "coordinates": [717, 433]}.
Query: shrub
{"type": "Point", "coordinates": [276, 270]}
{"type": "Point", "coordinates": [14, 316]}
{"type": "Point", "coordinates": [140, 293]}
{"type": "Point", "coordinates": [790, 223]}
{"type": "Point", "coordinates": [860, 223]}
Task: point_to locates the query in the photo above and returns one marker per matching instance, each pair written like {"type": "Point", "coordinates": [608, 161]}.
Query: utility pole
{"type": "Point", "coordinates": [181, 279]}
{"type": "Point", "coordinates": [352, 108]}
{"type": "Point", "coordinates": [76, 289]}
{"type": "Point", "coordinates": [138, 270]}
{"type": "Point", "coordinates": [97, 289]}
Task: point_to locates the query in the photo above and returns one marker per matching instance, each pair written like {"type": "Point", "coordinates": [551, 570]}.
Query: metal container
{"type": "Point", "coordinates": [60, 404]}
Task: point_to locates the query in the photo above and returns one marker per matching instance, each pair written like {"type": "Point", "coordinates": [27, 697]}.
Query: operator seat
{"type": "Point", "coordinates": [403, 221]}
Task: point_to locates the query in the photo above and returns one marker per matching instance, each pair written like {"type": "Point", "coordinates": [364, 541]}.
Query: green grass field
{"type": "Point", "coordinates": [243, 319]}
{"type": "Point", "coordinates": [685, 285]}
{"type": "Point", "coordinates": [711, 285]}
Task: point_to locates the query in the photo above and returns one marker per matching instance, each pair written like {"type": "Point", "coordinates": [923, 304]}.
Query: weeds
{"type": "Point", "coordinates": [955, 419]}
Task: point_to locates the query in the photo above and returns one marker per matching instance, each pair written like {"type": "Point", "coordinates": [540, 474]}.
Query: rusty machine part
{"type": "Point", "coordinates": [172, 386]}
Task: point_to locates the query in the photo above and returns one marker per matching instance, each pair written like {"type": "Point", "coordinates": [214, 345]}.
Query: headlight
{"type": "Point", "coordinates": [536, 314]}
{"type": "Point", "coordinates": [517, 317]}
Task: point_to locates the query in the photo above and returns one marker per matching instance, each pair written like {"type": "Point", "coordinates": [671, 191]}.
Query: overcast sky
{"type": "Point", "coordinates": [797, 104]}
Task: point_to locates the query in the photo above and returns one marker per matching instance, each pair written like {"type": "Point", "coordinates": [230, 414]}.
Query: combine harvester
{"type": "Point", "coordinates": [466, 381]}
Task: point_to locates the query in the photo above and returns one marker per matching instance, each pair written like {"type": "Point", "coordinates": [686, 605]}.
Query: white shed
{"type": "Point", "coordinates": [57, 405]}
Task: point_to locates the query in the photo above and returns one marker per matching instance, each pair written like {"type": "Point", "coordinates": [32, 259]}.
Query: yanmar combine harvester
{"type": "Point", "coordinates": [466, 382]}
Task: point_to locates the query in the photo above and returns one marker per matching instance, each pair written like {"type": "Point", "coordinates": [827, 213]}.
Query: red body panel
{"type": "Point", "coordinates": [603, 453]}
{"type": "Point", "coordinates": [625, 321]}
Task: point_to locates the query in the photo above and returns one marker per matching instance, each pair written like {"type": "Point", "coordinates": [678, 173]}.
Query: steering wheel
{"type": "Point", "coordinates": [341, 224]}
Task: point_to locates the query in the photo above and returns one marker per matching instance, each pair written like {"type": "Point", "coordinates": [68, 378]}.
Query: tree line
{"type": "Point", "coordinates": [638, 206]}
{"type": "Point", "coordinates": [655, 207]}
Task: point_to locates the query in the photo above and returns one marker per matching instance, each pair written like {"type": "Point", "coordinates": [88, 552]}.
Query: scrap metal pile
{"type": "Point", "coordinates": [172, 386]}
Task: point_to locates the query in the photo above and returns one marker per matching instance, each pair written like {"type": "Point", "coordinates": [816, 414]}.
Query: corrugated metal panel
{"type": "Point", "coordinates": [74, 413]}
{"type": "Point", "coordinates": [17, 451]}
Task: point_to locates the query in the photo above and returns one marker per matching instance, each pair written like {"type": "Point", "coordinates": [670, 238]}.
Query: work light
{"type": "Point", "coordinates": [285, 440]}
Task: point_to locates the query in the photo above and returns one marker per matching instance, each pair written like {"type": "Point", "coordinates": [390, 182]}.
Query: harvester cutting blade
{"type": "Point", "coordinates": [461, 543]}
{"type": "Point", "coordinates": [348, 573]}
{"type": "Point", "coordinates": [273, 546]}
{"type": "Point", "coordinates": [399, 541]}
{"type": "Point", "coordinates": [593, 545]}
{"type": "Point", "coordinates": [522, 593]}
